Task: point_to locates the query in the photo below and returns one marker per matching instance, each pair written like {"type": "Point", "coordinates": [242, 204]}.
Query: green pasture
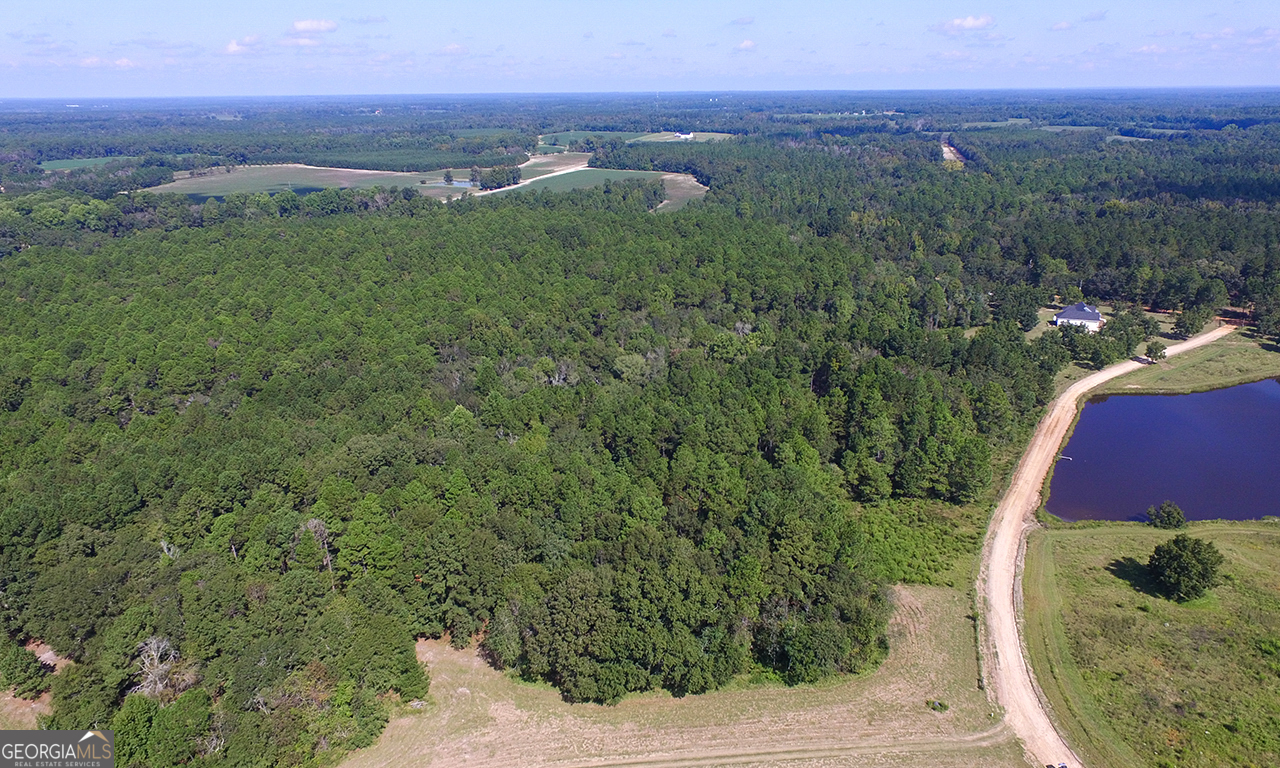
{"type": "Point", "coordinates": [671, 136]}
{"type": "Point", "coordinates": [278, 178]}
{"type": "Point", "coordinates": [80, 162]}
{"type": "Point", "coordinates": [1135, 679]}
{"type": "Point", "coordinates": [1010, 123]}
{"type": "Point", "coordinates": [568, 137]}
{"type": "Point", "coordinates": [585, 179]}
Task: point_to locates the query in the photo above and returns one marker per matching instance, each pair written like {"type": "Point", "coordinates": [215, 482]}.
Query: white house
{"type": "Point", "coordinates": [1085, 315]}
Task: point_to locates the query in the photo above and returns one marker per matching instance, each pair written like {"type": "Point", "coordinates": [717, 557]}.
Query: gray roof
{"type": "Point", "coordinates": [1080, 311]}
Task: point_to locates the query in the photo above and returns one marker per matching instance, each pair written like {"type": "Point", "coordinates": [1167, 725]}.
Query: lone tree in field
{"type": "Point", "coordinates": [1185, 568]}
{"type": "Point", "coordinates": [448, 178]}
{"type": "Point", "coordinates": [1156, 351]}
{"type": "Point", "coordinates": [1167, 515]}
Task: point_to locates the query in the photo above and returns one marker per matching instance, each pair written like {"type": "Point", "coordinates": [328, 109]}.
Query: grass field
{"type": "Point", "coordinates": [1237, 359]}
{"type": "Point", "coordinates": [587, 178]}
{"type": "Point", "coordinates": [1137, 680]}
{"type": "Point", "coordinates": [80, 162]}
{"type": "Point", "coordinates": [480, 718]}
{"type": "Point", "coordinates": [568, 137]}
{"type": "Point", "coordinates": [1070, 128]}
{"type": "Point", "coordinates": [1009, 123]}
{"type": "Point", "coordinates": [278, 178]}
{"type": "Point", "coordinates": [670, 136]}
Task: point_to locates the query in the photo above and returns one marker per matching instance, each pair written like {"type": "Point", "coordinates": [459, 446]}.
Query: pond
{"type": "Point", "coordinates": [1217, 454]}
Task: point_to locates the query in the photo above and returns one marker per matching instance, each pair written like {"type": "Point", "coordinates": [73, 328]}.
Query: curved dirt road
{"type": "Point", "coordinates": [1000, 582]}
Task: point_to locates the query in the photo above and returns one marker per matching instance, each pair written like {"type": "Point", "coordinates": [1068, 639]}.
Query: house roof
{"type": "Point", "coordinates": [1080, 311]}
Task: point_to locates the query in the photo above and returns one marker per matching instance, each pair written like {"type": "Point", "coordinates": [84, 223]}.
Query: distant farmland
{"type": "Point", "coordinates": [671, 136]}
{"type": "Point", "coordinates": [80, 162]}
{"type": "Point", "coordinates": [278, 178]}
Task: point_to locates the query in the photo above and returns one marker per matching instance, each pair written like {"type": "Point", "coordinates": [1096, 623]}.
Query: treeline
{"type": "Point", "coordinates": [1183, 225]}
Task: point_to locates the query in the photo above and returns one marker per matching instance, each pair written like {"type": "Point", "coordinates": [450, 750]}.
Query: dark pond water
{"type": "Point", "coordinates": [1217, 454]}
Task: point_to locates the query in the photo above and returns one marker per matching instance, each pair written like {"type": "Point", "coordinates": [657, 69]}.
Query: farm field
{"type": "Point", "coordinates": [568, 137]}
{"type": "Point", "coordinates": [80, 162]}
{"type": "Point", "coordinates": [1138, 680]}
{"type": "Point", "coordinates": [481, 717]}
{"type": "Point", "coordinates": [671, 136]}
{"type": "Point", "coordinates": [585, 179]}
{"type": "Point", "coordinates": [278, 178]}
{"type": "Point", "coordinates": [1012, 122]}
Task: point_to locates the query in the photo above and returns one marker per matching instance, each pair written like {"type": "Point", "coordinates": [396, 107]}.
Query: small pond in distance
{"type": "Point", "coordinates": [1217, 454]}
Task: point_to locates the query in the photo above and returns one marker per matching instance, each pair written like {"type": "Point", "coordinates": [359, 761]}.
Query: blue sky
{"type": "Point", "coordinates": [70, 48]}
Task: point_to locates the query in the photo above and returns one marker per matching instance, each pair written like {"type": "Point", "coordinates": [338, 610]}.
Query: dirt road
{"type": "Point", "coordinates": [1000, 582]}
{"type": "Point", "coordinates": [577, 165]}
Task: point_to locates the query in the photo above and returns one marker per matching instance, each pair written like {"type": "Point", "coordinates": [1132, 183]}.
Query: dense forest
{"type": "Point", "coordinates": [252, 448]}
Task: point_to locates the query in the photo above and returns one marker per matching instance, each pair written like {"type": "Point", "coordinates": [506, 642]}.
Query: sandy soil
{"type": "Point", "coordinates": [1000, 582]}
{"type": "Point", "coordinates": [481, 718]}
{"type": "Point", "coordinates": [21, 714]}
{"type": "Point", "coordinates": [949, 153]}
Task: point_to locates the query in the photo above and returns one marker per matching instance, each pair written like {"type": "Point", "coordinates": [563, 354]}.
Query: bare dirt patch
{"type": "Point", "coordinates": [480, 717]}
{"type": "Point", "coordinates": [21, 714]}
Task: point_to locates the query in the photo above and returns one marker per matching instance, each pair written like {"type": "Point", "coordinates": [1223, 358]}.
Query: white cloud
{"type": "Point", "coordinates": [243, 45]}
{"type": "Point", "coordinates": [369, 20]}
{"type": "Point", "coordinates": [615, 56]}
{"type": "Point", "coordinates": [304, 42]}
{"type": "Point", "coordinates": [453, 49]}
{"type": "Point", "coordinates": [1062, 26]}
{"type": "Point", "coordinates": [314, 25]}
{"type": "Point", "coordinates": [94, 62]}
{"type": "Point", "coordinates": [1095, 16]}
{"type": "Point", "coordinates": [1152, 49]}
{"type": "Point", "coordinates": [747, 45]}
{"type": "Point", "coordinates": [966, 24]}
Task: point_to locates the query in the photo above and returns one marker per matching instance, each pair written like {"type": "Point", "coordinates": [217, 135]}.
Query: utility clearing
{"type": "Point", "coordinates": [482, 718]}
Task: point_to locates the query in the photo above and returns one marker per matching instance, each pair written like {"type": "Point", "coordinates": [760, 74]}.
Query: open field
{"type": "Point", "coordinates": [80, 162]}
{"type": "Point", "coordinates": [480, 717]}
{"type": "Point", "coordinates": [1236, 359]}
{"type": "Point", "coordinates": [545, 164]}
{"type": "Point", "coordinates": [671, 136]}
{"type": "Point", "coordinates": [584, 179]}
{"type": "Point", "coordinates": [1012, 122]}
{"type": "Point", "coordinates": [568, 137]}
{"type": "Point", "coordinates": [278, 178]}
{"type": "Point", "coordinates": [681, 188]}
{"type": "Point", "coordinates": [1070, 128]}
{"type": "Point", "coordinates": [1136, 679]}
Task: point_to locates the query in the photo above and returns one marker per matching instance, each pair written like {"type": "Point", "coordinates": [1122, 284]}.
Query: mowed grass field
{"type": "Point", "coordinates": [482, 718]}
{"type": "Point", "coordinates": [1238, 358]}
{"type": "Point", "coordinates": [585, 179]}
{"type": "Point", "coordinates": [80, 162]}
{"type": "Point", "coordinates": [1138, 680]}
{"type": "Point", "coordinates": [670, 136]}
{"type": "Point", "coordinates": [568, 137]}
{"type": "Point", "coordinates": [278, 178]}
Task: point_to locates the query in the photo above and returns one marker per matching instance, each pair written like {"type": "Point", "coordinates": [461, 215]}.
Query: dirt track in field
{"type": "Point", "coordinates": [481, 718]}
{"type": "Point", "coordinates": [1000, 582]}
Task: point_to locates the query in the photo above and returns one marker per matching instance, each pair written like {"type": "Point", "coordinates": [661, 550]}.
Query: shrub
{"type": "Point", "coordinates": [1185, 568]}
{"type": "Point", "coordinates": [1167, 515]}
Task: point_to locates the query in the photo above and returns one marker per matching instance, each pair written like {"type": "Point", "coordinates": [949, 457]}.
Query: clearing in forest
{"type": "Point", "coordinates": [221, 181]}
{"type": "Point", "coordinates": [673, 136]}
{"type": "Point", "coordinates": [480, 717]}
